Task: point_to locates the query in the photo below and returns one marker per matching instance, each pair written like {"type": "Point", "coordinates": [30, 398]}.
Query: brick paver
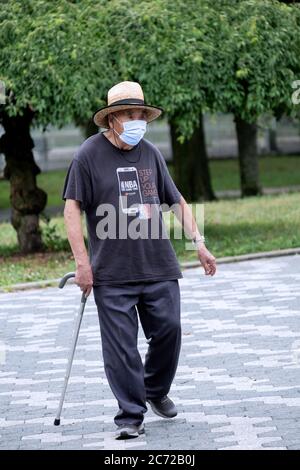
{"type": "Point", "coordinates": [237, 385]}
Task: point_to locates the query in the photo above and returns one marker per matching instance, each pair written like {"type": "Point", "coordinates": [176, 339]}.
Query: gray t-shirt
{"type": "Point", "coordinates": [103, 177]}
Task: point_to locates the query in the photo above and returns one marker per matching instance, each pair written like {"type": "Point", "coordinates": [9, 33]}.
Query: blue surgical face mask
{"type": "Point", "coordinates": [134, 131]}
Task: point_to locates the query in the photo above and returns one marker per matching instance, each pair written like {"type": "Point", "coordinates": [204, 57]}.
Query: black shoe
{"type": "Point", "coordinates": [128, 431]}
{"type": "Point", "coordinates": [163, 407]}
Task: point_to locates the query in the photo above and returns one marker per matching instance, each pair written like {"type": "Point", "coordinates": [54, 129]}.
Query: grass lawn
{"type": "Point", "coordinates": [232, 227]}
{"type": "Point", "coordinates": [275, 172]}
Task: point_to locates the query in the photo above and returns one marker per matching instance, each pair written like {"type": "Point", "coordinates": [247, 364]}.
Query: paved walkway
{"type": "Point", "coordinates": [237, 384]}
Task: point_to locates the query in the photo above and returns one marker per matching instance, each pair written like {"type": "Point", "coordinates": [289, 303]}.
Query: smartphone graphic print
{"type": "Point", "coordinates": [129, 190]}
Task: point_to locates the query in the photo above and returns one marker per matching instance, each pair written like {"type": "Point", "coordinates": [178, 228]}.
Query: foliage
{"type": "Point", "coordinates": [237, 56]}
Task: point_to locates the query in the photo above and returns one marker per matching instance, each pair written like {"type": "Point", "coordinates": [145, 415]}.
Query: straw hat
{"type": "Point", "coordinates": [125, 95]}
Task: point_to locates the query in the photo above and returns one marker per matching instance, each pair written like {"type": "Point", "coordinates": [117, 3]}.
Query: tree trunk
{"type": "Point", "coordinates": [248, 158]}
{"type": "Point", "coordinates": [27, 200]}
{"type": "Point", "coordinates": [191, 166]}
{"type": "Point", "coordinates": [273, 137]}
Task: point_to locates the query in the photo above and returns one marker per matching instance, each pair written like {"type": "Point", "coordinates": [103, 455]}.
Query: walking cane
{"type": "Point", "coordinates": [73, 346]}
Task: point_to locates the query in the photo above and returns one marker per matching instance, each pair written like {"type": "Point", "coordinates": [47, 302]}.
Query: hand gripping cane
{"type": "Point", "coordinates": [73, 345]}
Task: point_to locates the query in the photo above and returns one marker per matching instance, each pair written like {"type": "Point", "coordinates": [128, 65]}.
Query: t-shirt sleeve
{"type": "Point", "coordinates": [77, 185]}
{"type": "Point", "coordinates": [168, 191]}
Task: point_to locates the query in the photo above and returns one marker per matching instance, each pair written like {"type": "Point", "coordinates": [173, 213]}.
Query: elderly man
{"type": "Point", "coordinates": [121, 181]}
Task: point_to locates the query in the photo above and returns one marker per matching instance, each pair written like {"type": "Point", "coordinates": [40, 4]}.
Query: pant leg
{"type": "Point", "coordinates": [122, 362]}
{"type": "Point", "coordinates": [159, 312]}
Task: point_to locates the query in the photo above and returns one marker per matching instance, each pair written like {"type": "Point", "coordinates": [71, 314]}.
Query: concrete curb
{"type": "Point", "coordinates": [33, 285]}
{"type": "Point", "coordinates": [187, 265]}
{"type": "Point", "coordinates": [247, 257]}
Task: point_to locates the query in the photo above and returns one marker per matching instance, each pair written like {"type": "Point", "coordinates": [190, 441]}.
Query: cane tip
{"type": "Point", "coordinates": [56, 422]}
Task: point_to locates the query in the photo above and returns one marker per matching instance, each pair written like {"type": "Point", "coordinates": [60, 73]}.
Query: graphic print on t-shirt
{"type": "Point", "coordinates": [129, 189]}
{"type": "Point", "coordinates": [93, 180]}
{"type": "Point", "coordinates": [149, 190]}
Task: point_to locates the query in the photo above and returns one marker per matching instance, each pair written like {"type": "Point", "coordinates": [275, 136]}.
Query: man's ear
{"type": "Point", "coordinates": [109, 118]}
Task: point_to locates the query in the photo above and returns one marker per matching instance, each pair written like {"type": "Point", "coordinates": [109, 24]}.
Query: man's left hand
{"type": "Point", "coordinates": [207, 260]}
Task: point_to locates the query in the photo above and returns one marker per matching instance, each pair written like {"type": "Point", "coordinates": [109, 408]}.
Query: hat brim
{"type": "Point", "coordinates": [100, 116]}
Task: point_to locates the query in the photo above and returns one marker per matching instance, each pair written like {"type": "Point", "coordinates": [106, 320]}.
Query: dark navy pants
{"type": "Point", "coordinates": [158, 306]}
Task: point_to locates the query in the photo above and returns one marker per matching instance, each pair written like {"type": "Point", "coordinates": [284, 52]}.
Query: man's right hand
{"type": "Point", "coordinates": [84, 278]}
